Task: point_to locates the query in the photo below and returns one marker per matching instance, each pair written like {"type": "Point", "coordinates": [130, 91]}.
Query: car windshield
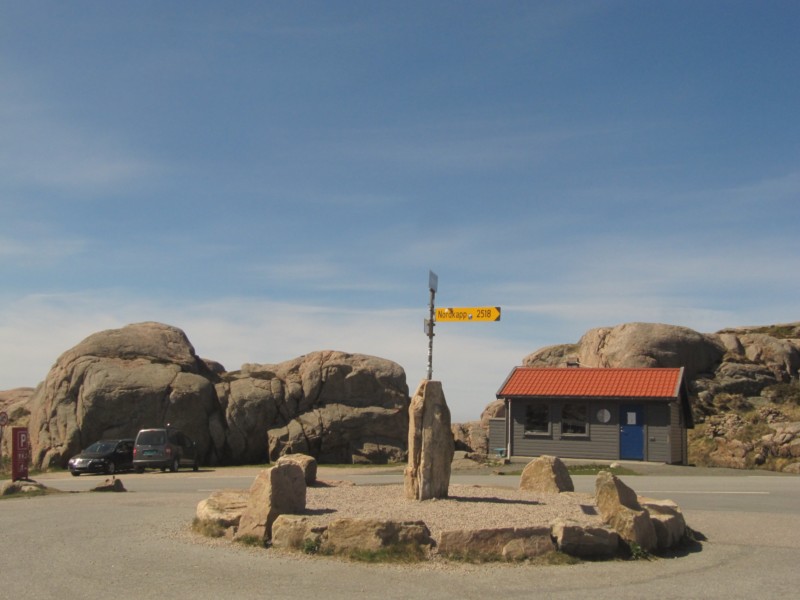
{"type": "Point", "coordinates": [101, 447]}
{"type": "Point", "coordinates": [151, 438]}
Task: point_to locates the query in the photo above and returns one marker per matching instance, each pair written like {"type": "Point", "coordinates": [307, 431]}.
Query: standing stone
{"type": "Point", "coordinates": [430, 444]}
{"type": "Point", "coordinates": [619, 507]}
{"type": "Point", "coordinates": [276, 491]}
{"type": "Point", "coordinates": [547, 475]}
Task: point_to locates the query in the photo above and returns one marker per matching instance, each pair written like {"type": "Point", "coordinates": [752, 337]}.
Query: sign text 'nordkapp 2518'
{"type": "Point", "coordinates": [474, 313]}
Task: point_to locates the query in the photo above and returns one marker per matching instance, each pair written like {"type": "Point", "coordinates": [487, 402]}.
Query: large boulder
{"type": "Point", "coordinates": [276, 491]}
{"type": "Point", "coordinates": [16, 404]}
{"type": "Point", "coordinates": [667, 520]}
{"type": "Point", "coordinates": [334, 406]}
{"type": "Point", "coordinates": [585, 541]}
{"type": "Point", "coordinates": [223, 507]}
{"type": "Point", "coordinates": [116, 382]}
{"type": "Point", "coordinates": [547, 475]}
{"type": "Point", "coordinates": [637, 345]}
{"type": "Point", "coordinates": [430, 444]}
{"type": "Point", "coordinates": [619, 507]}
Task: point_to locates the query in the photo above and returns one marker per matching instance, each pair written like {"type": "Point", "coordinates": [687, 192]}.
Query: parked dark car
{"type": "Point", "coordinates": [105, 456]}
{"type": "Point", "coordinates": [164, 448]}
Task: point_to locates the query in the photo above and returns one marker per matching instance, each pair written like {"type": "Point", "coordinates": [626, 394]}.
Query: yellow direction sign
{"type": "Point", "coordinates": [475, 313]}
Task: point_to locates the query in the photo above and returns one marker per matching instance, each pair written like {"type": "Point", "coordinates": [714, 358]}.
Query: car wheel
{"type": "Point", "coordinates": [175, 464]}
{"type": "Point", "coordinates": [139, 469]}
{"type": "Point", "coordinates": [195, 466]}
{"type": "Point", "coordinates": [110, 468]}
{"type": "Point", "coordinates": [74, 473]}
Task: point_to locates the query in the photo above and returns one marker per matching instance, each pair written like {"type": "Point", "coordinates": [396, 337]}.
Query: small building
{"type": "Point", "coordinates": [594, 413]}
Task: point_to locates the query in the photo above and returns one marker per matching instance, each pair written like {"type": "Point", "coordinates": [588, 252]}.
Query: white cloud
{"type": "Point", "coordinates": [34, 331]}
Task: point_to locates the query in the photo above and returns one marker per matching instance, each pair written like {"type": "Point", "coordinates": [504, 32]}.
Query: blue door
{"type": "Point", "coordinates": [631, 432]}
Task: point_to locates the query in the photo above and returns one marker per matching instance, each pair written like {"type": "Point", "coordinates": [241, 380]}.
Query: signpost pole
{"type": "Point", "coordinates": [433, 284]}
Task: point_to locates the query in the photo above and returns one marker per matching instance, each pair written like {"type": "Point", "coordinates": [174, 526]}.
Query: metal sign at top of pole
{"type": "Point", "coordinates": [433, 285]}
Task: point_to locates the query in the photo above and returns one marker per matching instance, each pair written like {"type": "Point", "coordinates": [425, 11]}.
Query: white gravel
{"type": "Point", "coordinates": [467, 507]}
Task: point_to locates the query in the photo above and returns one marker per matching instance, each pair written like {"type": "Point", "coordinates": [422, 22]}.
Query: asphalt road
{"type": "Point", "coordinates": [137, 545]}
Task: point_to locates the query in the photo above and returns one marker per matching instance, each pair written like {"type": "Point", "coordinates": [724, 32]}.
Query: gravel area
{"type": "Point", "coordinates": [467, 507]}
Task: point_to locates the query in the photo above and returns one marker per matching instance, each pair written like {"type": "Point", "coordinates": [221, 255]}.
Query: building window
{"type": "Point", "coordinates": [537, 419]}
{"type": "Point", "coordinates": [575, 419]}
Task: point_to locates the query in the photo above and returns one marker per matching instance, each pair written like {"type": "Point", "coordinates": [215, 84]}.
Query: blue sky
{"type": "Point", "coordinates": [278, 177]}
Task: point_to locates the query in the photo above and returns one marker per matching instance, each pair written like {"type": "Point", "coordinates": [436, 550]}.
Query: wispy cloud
{"type": "Point", "coordinates": [35, 330]}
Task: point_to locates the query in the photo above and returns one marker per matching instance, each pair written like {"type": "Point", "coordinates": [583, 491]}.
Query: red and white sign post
{"type": "Point", "coordinates": [20, 453]}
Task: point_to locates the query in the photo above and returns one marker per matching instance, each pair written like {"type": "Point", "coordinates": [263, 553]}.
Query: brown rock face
{"type": "Point", "coordinates": [637, 345]}
{"type": "Point", "coordinates": [430, 444]}
{"type": "Point", "coordinates": [276, 491]}
{"type": "Point", "coordinates": [511, 543]}
{"type": "Point", "coordinates": [546, 474]}
{"type": "Point", "coordinates": [334, 406]}
{"type": "Point", "coordinates": [119, 381]}
{"type": "Point", "coordinates": [585, 542]}
{"type": "Point", "coordinates": [346, 535]}
{"type": "Point", "coordinates": [305, 462]}
{"type": "Point", "coordinates": [224, 507]}
{"type": "Point", "coordinates": [620, 508]}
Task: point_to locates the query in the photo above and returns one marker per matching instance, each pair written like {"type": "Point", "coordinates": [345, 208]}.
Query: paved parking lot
{"type": "Point", "coordinates": [137, 544]}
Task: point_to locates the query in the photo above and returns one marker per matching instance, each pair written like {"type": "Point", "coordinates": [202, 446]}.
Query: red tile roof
{"type": "Point", "coordinates": [592, 382]}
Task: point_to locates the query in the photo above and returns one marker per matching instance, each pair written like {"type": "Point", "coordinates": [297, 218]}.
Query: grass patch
{"type": "Point", "coordinates": [594, 469]}
{"type": "Point", "coordinates": [588, 469]}
{"type": "Point", "coordinates": [555, 559]}
{"type": "Point", "coordinates": [396, 553]}
{"type": "Point", "coordinates": [251, 540]}
{"type": "Point", "coordinates": [206, 528]}
{"type": "Point", "coordinates": [387, 466]}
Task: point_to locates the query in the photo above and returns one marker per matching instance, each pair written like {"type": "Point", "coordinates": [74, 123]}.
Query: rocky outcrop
{"type": "Point", "coordinates": [430, 444]}
{"type": "Point", "coordinates": [334, 406]}
{"type": "Point", "coordinates": [546, 474]}
{"type": "Point", "coordinates": [16, 404]}
{"type": "Point", "coordinates": [742, 374]}
{"type": "Point", "coordinates": [276, 491]}
{"type": "Point", "coordinates": [471, 437]}
{"type": "Point", "coordinates": [637, 345]}
{"type": "Point", "coordinates": [116, 382]}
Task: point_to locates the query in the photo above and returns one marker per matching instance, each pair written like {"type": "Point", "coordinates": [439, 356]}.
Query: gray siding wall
{"type": "Point", "coordinates": [497, 435]}
{"type": "Point", "coordinates": [677, 435]}
{"type": "Point", "coordinates": [657, 432]}
{"type": "Point", "coordinates": [601, 443]}
{"type": "Point", "coordinates": [665, 434]}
